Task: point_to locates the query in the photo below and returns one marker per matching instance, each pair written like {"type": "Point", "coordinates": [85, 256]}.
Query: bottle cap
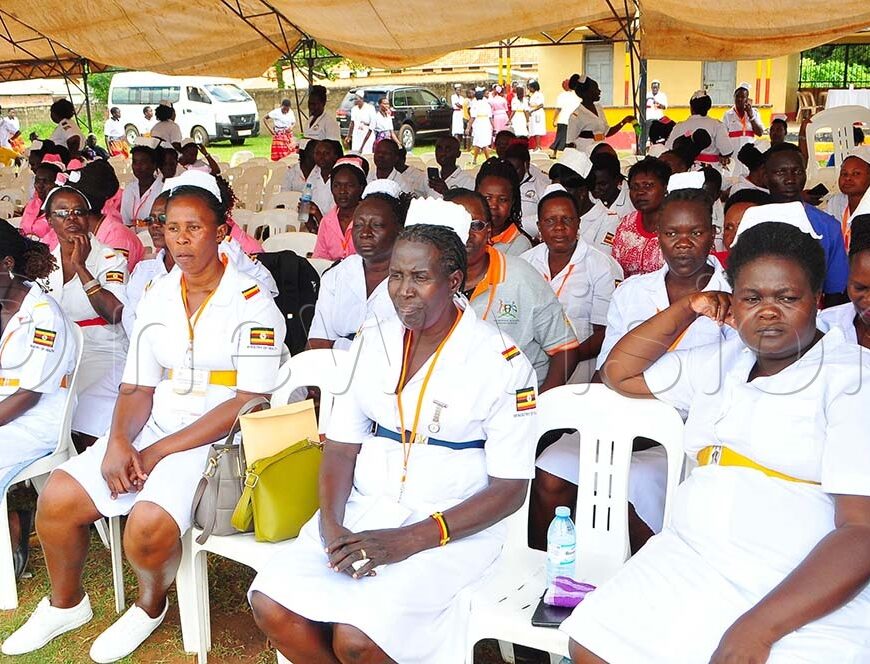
{"type": "Point", "coordinates": [563, 511]}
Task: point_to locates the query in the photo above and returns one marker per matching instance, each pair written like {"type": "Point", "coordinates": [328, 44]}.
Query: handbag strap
{"type": "Point", "coordinates": [208, 484]}
{"type": "Point", "coordinates": [244, 410]}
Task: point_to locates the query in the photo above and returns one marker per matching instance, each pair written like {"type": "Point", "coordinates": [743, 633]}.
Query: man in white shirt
{"type": "Point", "coordinates": [533, 183]}
{"type": "Point", "coordinates": [320, 125]}
{"type": "Point", "coordinates": [450, 175]}
{"type": "Point", "coordinates": [387, 154]}
{"type": "Point", "coordinates": [362, 117]}
{"type": "Point", "coordinates": [113, 130]}
{"type": "Point", "coordinates": [148, 122]}
{"type": "Point", "coordinates": [743, 124]}
{"type": "Point", "coordinates": [656, 102]}
{"type": "Point", "coordinates": [566, 103]}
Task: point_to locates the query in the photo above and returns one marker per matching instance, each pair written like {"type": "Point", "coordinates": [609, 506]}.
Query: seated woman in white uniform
{"type": "Point", "coordinates": [767, 556]}
{"type": "Point", "coordinates": [203, 345]}
{"type": "Point", "coordinates": [390, 503]}
{"type": "Point", "coordinates": [37, 354]}
{"type": "Point", "coordinates": [686, 238]}
{"type": "Point", "coordinates": [355, 289]}
{"type": "Point", "coordinates": [582, 277]}
{"type": "Point", "coordinates": [853, 183]}
{"type": "Point", "coordinates": [89, 283]}
{"type": "Point", "coordinates": [853, 317]}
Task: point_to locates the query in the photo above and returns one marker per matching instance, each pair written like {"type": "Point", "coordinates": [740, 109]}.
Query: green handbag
{"type": "Point", "coordinates": [281, 493]}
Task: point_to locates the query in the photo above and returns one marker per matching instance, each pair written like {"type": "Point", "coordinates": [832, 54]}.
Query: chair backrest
{"type": "Point", "coordinates": [7, 209]}
{"type": "Point", "coordinates": [64, 437]}
{"type": "Point", "coordinates": [277, 221]}
{"type": "Point", "coordinates": [311, 368]}
{"type": "Point", "coordinates": [320, 264]}
{"type": "Point", "coordinates": [287, 199]}
{"type": "Point", "coordinates": [840, 122]}
{"type": "Point", "coordinates": [255, 175]}
{"type": "Point", "coordinates": [300, 243]}
{"type": "Point", "coordinates": [240, 157]}
{"type": "Point", "coordinates": [608, 423]}
{"type": "Point", "coordinates": [145, 239]}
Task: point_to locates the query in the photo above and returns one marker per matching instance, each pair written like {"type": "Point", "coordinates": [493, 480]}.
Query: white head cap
{"type": "Point", "coordinates": [383, 186]}
{"type": "Point", "coordinates": [698, 94]}
{"type": "Point", "coordinates": [551, 188]}
{"type": "Point", "coordinates": [438, 212]}
{"type": "Point", "coordinates": [457, 85]}
{"type": "Point", "coordinates": [147, 142]}
{"type": "Point", "coordinates": [359, 94]}
{"type": "Point", "coordinates": [194, 178]}
{"type": "Point", "coordinates": [784, 213]}
{"type": "Point", "coordinates": [577, 160]}
{"type": "Point", "coordinates": [743, 86]}
{"type": "Point", "coordinates": [36, 145]}
{"type": "Point", "coordinates": [863, 206]}
{"type": "Point", "coordinates": [688, 180]}
{"type": "Point", "coordinates": [655, 81]}
{"type": "Point", "coordinates": [862, 152]}
{"type": "Point", "coordinates": [165, 102]}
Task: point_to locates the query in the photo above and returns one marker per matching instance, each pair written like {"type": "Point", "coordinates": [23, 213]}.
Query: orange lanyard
{"type": "Point", "coordinates": [346, 239]}
{"type": "Point", "coordinates": [846, 227]}
{"type": "Point", "coordinates": [565, 280]}
{"type": "Point", "coordinates": [407, 444]}
{"type": "Point", "coordinates": [192, 319]}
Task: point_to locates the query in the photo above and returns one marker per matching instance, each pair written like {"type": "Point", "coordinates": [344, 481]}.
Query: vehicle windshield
{"type": "Point", "coordinates": [227, 92]}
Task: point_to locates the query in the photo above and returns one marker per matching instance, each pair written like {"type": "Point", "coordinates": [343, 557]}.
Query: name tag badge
{"type": "Point", "coordinates": [190, 382]}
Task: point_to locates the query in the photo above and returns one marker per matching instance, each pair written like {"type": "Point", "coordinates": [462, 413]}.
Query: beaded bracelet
{"type": "Point", "coordinates": [93, 290]}
{"type": "Point", "coordinates": [90, 285]}
{"type": "Point", "coordinates": [442, 527]}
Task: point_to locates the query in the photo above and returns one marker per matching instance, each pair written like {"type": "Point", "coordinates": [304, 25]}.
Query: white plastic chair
{"type": "Point", "coordinates": [301, 243]}
{"type": "Point", "coordinates": [145, 239]}
{"type": "Point", "coordinates": [7, 209]}
{"type": "Point", "coordinates": [37, 473]}
{"type": "Point", "coordinates": [240, 157]}
{"type": "Point", "coordinates": [318, 368]}
{"type": "Point", "coordinates": [278, 221]}
{"type": "Point", "coordinates": [320, 264]}
{"type": "Point", "coordinates": [286, 199]}
{"type": "Point", "coordinates": [839, 121]}
{"type": "Point", "coordinates": [502, 607]}
{"type": "Point", "coordinates": [253, 175]}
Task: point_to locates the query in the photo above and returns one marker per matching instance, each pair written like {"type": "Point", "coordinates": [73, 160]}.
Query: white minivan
{"type": "Point", "coordinates": [206, 108]}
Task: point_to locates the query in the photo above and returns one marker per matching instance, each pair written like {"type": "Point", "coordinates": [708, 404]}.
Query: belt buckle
{"type": "Point", "coordinates": [420, 439]}
{"type": "Point", "coordinates": [716, 455]}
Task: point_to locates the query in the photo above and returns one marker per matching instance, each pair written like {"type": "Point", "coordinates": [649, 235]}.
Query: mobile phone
{"type": "Point", "coordinates": [433, 173]}
{"type": "Point", "coordinates": [819, 190]}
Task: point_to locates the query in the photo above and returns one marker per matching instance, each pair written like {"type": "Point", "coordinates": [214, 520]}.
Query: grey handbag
{"type": "Point", "coordinates": [223, 479]}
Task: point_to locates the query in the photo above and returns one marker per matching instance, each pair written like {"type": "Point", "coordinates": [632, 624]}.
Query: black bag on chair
{"type": "Point", "coordinates": [298, 285]}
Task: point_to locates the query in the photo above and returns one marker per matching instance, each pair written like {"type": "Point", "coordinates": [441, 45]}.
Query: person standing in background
{"type": "Point", "coordinates": [566, 103]}
{"type": "Point", "coordinates": [459, 118]}
{"type": "Point", "coordinates": [148, 122]}
{"type": "Point", "coordinates": [537, 117]}
{"type": "Point", "coordinates": [113, 130]}
{"type": "Point", "coordinates": [656, 103]}
{"type": "Point", "coordinates": [362, 117]}
{"type": "Point", "coordinates": [520, 113]}
{"type": "Point", "coordinates": [742, 123]}
{"type": "Point", "coordinates": [497, 101]}
{"type": "Point", "coordinates": [281, 127]}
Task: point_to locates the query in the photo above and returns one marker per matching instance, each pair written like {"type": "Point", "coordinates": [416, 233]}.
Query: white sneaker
{"type": "Point", "coordinates": [45, 623]}
{"type": "Point", "coordinates": [125, 635]}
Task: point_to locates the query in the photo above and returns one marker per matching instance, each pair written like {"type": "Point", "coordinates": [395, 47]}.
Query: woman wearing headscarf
{"type": "Point", "coordinates": [588, 125]}
{"type": "Point", "coordinates": [37, 356]}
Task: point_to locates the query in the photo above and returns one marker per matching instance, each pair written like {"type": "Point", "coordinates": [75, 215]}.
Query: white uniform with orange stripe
{"type": "Point", "coordinates": [740, 131]}
{"type": "Point", "coordinates": [37, 352]}
{"type": "Point", "coordinates": [637, 299]}
{"type": "Point", "coordinates": [720, 142]}
{"type": "Point", "coordinates": [238, 330]}
{"type": "Point", "coordinates": [520, 303]}
{"type": "Point", "coordinates": [105, 344]}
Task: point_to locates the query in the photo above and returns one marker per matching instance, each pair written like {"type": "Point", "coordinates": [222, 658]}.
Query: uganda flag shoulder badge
{"type": "Point", "coordinates": [114, 277]}
{"type": "Point", "coordinates": [251, 291]}
{"type": "Point", "coordinates": [526, 399]}
{"type": "Point", "coordinates": [44, 338]}
{"type": "Point", "coordinates": [510, 353]}
{"type": "Point", "coordinates": [263, 336]}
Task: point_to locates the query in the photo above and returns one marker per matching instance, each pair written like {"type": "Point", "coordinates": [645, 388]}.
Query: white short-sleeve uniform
{"type": "Point", "coordinates": [481, 131]}
{"type": "Point", "coordinates": [105, 343]}
{"type": "Point", "coordinates": [843, 317]}
{"type": "Point", "coordinates": [232, 334]}
{"type": "Point", "coordinates": [598, 227]}
{"type": "Point", "coordinates": [458, 179]}
{"type": "Point", "coordinates": [363, 117]}
{"type": "Point", "coordinates": [323, 127]}
{"type": "Point", "coordinates": [113, 129]}
{"type": "Point", "coordinates": [637, 299]}
{"type": "Point", "coordinates": [167, 131]}
{"type": "Point", "coordinates": [283, 121]}
{"type": "Point", "coordinates": [519, 121]}
{"type": "Point", "coordinates": [838, 207]}
{"type": "Point", "coordinates": [741, 133]}
{"type": "Point", "coordinates": [736, 532]}
{"type": "Point", "coordinates": [135, 205]}
{"type": "Point", "coordinates": [321, 192]}
{"type": "Point", "coordinates": [584, 288]}
{"type": "Point", "coordinates": [37, 351]}
{"type": "Point", "coordinates": [582, 119]}
{"type": "Point", "coordinates": [411, 609]}
{"type": "Point", "coordinates": [622, 205]}
{"type": "Point", "coordinates": [415, 182]}
{"type": "Point", "coordinates": [532, 190]}
{"type": "Point", "coordinates": [64, 131]}
{"type": "Point", "coordinates": [457, 124]}
{"type": "Point", "coordinates": [343, 306]}
{"type": "Point", "coordinates": [538, 118]}
{"type": "Point", "coordinates": [720, 142]}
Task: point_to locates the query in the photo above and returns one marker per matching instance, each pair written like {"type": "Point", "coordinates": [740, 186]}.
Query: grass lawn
{"type": "Point", "coordinates": [235, 637]}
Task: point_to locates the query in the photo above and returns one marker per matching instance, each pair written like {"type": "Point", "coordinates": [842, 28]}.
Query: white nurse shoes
{"type": "Point", "coordinates": [46, 623]}
{"type": "Point", "coordinates": [125, 635]}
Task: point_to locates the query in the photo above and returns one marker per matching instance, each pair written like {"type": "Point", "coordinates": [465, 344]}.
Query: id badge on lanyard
{"type": "Point", "coordinates": [191, 389]}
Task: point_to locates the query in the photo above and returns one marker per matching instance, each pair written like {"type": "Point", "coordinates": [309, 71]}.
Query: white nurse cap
{"type": "Point", "coordinates": [744, 85]}
{"type": "Point", "coordinates": [438, 212]}
{"type": "Point", "coordinates": [383, 186]}
{"type": "Point", "coordinates": [688, 180]}
{"type": "Point", "coordinates": [147, 142]}
{"type": "Point", "coordinates": [576, 160]}
{"type": "Point", "coordinates": [793, 214]}
{"type": "Point", "coordinates": [194, 178]}
{"type": "Point", "coordinates": [862, 152]}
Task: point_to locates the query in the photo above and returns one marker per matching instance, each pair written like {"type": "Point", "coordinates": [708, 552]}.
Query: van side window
{"type": "Point", "coordinates": [195, 94]}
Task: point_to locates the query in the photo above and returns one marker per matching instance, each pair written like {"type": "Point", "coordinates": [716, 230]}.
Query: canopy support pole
{"type": "Point", "coordinates": [85, 74]}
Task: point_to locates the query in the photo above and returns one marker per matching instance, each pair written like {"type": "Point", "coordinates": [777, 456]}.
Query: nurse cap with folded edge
{"type": "Point", "coordinates": [147, 142]}
{"type": "Point", "coordinates": [383, 186]}
{"type": "Point", "coordinates": [793, 214]}
{"type": "Point", "coordinates": [194, 178]}
{"type": "Point", "coordinates": [861, 152]}
{"type": "Point", "coordinates": [688, 180]}
{"type": "Point", "coordinates": [743, 86]}
{"type": "Point", "coordinates": [863, 208]}
{"type": "Point", "coordinates": [576, 161]}
{"type": "Point", "coordinates": [438, 212]}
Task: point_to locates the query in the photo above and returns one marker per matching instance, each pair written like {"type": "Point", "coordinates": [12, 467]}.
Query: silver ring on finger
{"type": "Point", "coordinates": [363, 553]}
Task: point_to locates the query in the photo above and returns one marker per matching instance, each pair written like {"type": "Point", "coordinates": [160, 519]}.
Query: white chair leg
{"type": "Point", "coordinates": [203, 607]}
{"type": "Point", "coordinates": [116, 553]}
{"type": "Point", "coordinates": [8, 589]}
{"type": "Point", "coordinates": [507, 652]}
{"type": "Point", "coordinates": [187, 586]}
{"type": "Point", "coordinates": [103, 532]}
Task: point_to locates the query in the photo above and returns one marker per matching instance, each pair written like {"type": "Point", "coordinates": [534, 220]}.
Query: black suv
{"type": "Point", "coordinates": [417, 112]}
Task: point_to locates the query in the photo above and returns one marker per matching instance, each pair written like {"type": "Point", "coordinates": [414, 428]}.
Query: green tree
{"type": "Point", "coordinates": [98, 87]}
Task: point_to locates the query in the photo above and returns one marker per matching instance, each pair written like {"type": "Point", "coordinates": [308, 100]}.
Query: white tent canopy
{"type": "Point", "coordinates": [241, 38]}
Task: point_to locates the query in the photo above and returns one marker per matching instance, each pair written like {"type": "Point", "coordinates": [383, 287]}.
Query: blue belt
{"type": "Point", "coordinates": [383, 432]}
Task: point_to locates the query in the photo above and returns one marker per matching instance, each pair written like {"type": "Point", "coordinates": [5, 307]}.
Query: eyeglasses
{"type": "Point", "coordinates": [552, 222]}
{"type": "Point", "coordinates": [156, 219]}
{"type": "Point", "coordinates": [477, 225]}
{"type": "Point", "coordinates": [75, 212]}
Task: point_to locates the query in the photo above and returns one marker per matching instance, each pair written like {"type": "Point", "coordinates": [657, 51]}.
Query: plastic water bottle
{"type": "Point", "coordinates": [305, 204]}
{"type": "Point", "coordinates": [561, 546]}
